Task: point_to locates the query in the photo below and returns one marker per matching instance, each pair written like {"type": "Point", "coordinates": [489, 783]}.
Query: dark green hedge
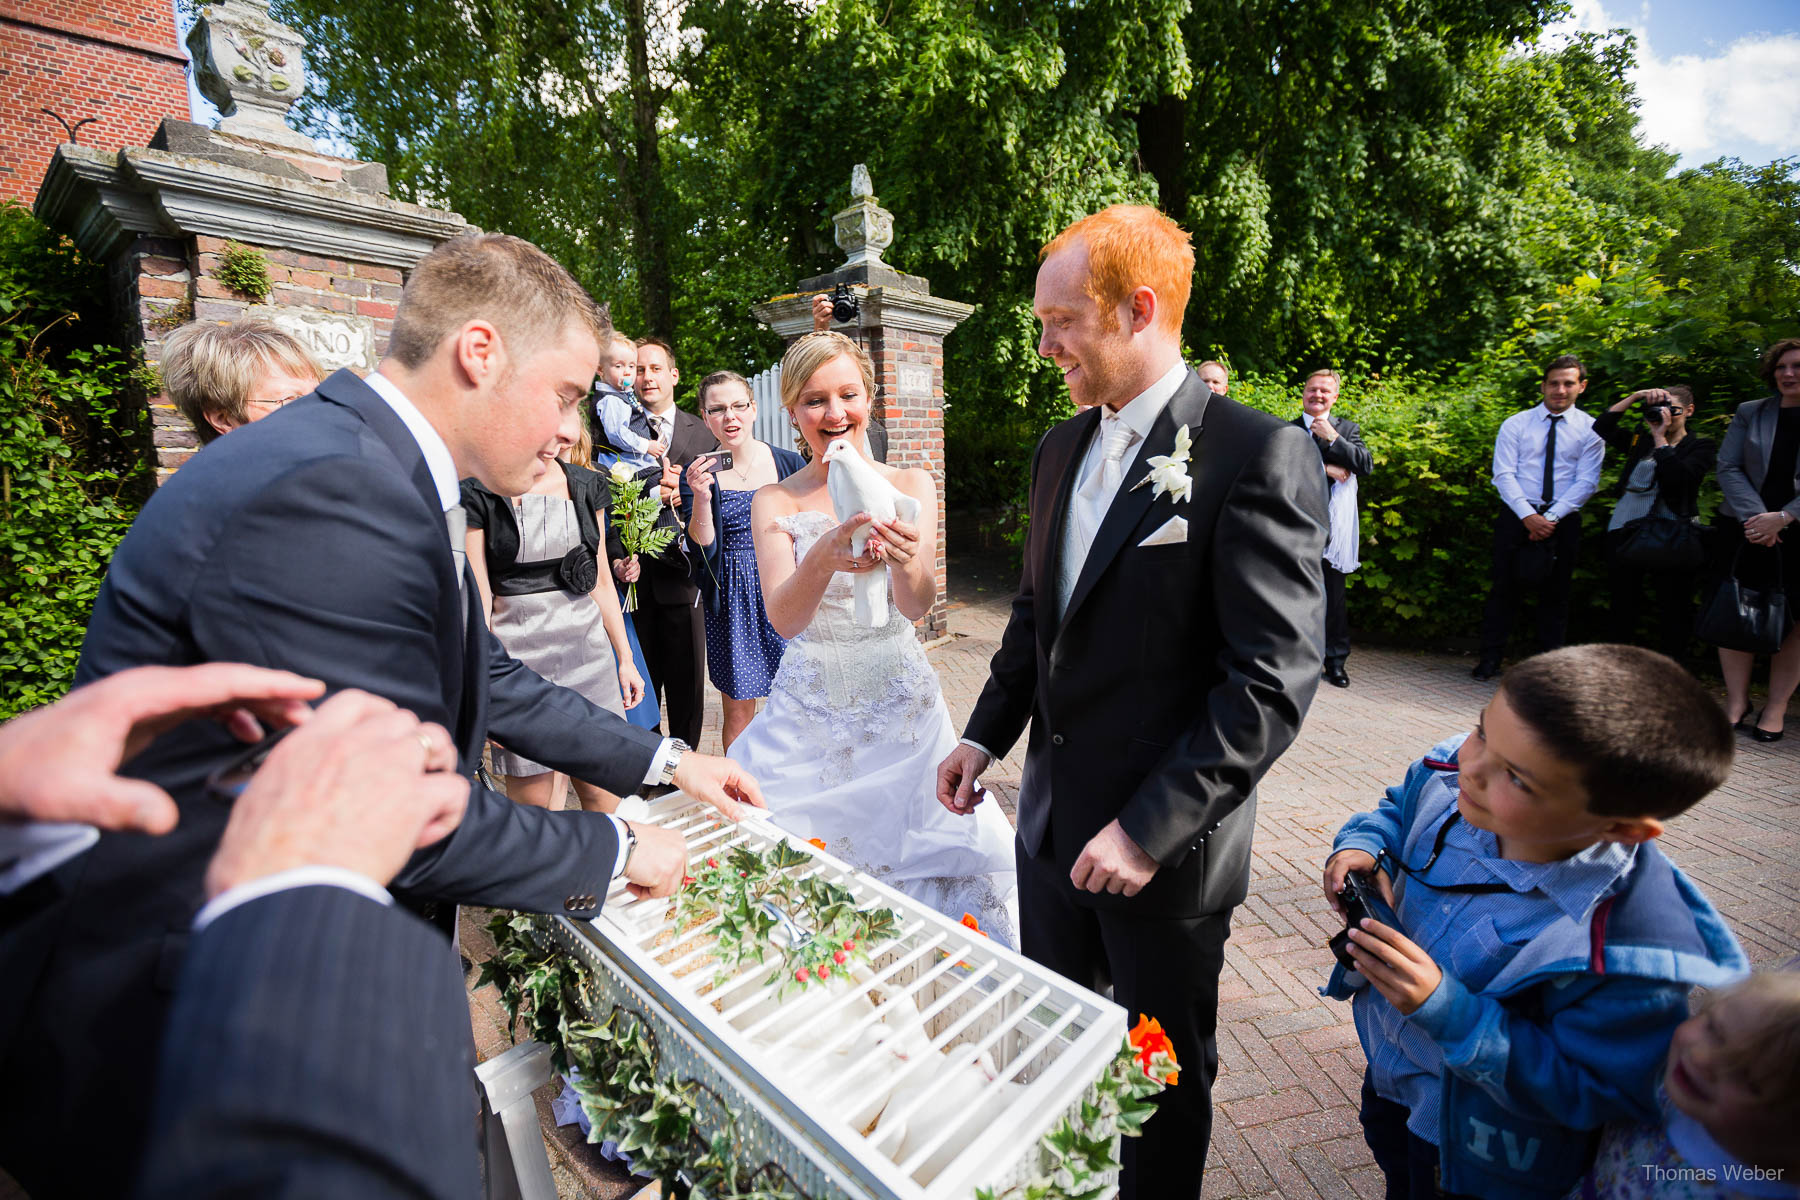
{"type": "Point", "coordinates": [73, 447]}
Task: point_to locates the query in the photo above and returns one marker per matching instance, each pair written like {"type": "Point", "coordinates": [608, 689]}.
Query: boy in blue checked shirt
{"type": "Point", "coordinates": [1546, 946]}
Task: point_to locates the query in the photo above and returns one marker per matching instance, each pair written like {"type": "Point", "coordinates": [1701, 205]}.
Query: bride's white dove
{"type": "Point", "coordinates": [855, 487]}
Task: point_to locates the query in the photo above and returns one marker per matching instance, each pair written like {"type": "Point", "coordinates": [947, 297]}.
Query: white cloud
{"type": "Point", "coordinates": [1742, 100]}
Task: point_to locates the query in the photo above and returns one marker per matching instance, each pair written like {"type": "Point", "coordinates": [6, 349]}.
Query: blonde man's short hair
{"type": "Point", "coordinates": [1131, 246]}
{"type": "Point", "coordinates": [510, 283]}
{"type": "Point", "coordinates": [211, 368]}
{"type": "Point", "coordinates": [1324, 373]}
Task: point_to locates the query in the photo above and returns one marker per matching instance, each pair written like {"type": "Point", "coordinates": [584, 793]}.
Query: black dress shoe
{"type": "Point", "coordinates": [1335, 676]}
{"type": "Point", "coordinates": [1763, 735]}
{"type": "Point", "coordinates": [1485, 671]}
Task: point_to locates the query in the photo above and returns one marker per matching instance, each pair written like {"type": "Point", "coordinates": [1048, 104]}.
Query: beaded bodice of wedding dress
{"type": "Point", "coordinates": [856, 685]}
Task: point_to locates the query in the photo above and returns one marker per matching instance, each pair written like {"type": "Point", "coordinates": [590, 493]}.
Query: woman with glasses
{"type": "Point", "coordinates": [742, 650]}
{"type": "Point", "coordinates": [223, 376]}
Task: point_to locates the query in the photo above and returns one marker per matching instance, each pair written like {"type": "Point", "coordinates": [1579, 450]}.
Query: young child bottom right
{"type": "Point", "coordinates": [1520, 955]}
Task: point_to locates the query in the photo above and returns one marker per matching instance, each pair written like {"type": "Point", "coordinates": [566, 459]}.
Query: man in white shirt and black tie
{"type": "Point", "coordinates": [1546, 465]}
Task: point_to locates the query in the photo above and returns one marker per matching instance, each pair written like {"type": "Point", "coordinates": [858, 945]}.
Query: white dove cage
{"type": "Point", "coordinates": [935, 1072]}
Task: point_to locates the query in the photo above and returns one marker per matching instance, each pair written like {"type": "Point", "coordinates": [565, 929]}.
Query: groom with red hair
{"type": "Point", "coordinates": [1163, 646]}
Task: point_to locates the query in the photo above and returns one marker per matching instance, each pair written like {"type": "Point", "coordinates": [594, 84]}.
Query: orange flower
{"type": "Point", "coordinates": [819, 842]}
{"type": "Point", "coordinates": [969, 921]}
{"type": "Point", "coordinates": [1150, 1042]}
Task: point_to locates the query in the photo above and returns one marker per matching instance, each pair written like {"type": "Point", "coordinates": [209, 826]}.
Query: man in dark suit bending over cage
{"type": "Point", "coordinates": [325, 540]}
{"type": "Point", "coordinates": [1164, 646]}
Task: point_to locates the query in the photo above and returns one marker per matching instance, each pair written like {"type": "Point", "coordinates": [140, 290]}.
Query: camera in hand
{"type": "Point", "coordinates": [1657, 411]}
{"type": "Point", "coordinates": [721, 460]}
{"type": "Point", "coordinates": [844, 306]}
{"type": "Point", "coordinates": [1362, 898]}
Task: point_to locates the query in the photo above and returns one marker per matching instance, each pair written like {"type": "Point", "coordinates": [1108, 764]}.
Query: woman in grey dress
{"type": "Point", "coordinates": [534, 559]}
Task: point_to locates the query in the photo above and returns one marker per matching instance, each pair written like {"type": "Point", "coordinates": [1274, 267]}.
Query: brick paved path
{"type": "Point", "coordinates": [1290, 1068]}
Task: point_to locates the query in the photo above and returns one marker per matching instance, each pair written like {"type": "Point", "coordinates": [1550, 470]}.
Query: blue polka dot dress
{"type": "Point", "coordinates": [742, 648]}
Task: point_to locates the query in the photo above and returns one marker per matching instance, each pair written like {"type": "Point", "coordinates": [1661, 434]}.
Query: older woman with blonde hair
{"type": "Point", "coordinates": [224, 375]}
{"type": "Point", "coordinates": [848, 746]}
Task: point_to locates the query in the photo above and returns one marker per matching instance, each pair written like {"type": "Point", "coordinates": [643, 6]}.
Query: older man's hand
{"type": "Point", "coordinates": [60, 763]}
{"type": "Point", "coordinates": [360, 786]}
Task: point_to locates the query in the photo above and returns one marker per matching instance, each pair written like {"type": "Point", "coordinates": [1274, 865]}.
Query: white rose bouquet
{"type": "Point", "coordinates": [634, 515]}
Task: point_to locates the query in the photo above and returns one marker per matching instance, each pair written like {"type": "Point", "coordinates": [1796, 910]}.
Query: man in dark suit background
{"type": "Point", "coordinates": [1340, 444]}
{"type": "Point", "coordinates": [1164, 645]}
{"type": "Point", "coordinates": [320, 540]}
{"type": "Point", "coordinates": [669, 624]}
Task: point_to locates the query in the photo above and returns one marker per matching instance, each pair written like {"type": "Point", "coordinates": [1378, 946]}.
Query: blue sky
{"type": "Point", "coordinates": [1714, 77]}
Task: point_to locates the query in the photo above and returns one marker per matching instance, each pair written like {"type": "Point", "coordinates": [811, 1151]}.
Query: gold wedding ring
{"type": "Point", "coordinates": [425, 742]}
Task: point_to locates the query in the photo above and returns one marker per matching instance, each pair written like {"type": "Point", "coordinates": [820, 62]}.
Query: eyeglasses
{"type": "Point", "coordinates": [740, 408]}
{"type": "Point", "coordinates": [275, 403]}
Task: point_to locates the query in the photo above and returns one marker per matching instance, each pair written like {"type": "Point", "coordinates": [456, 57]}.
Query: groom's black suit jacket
{"type": "Point", "coordinates": [1179, 673]}
{"type": "Point", "coordinates": [313, 541]}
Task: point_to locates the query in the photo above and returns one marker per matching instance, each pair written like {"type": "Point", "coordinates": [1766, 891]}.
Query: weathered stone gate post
{"type": "Point", "coordinates": [902, 326]}
{"type": "Point", "coordinates": [164, 217]}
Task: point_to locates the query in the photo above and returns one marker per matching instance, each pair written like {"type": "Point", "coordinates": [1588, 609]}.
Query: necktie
{"type": "Point", "coordinates": [456, 522]}
{"type": "Point", "coordinates": [1550, 461]}
{"type": "Point", "coordinates": [1097, 492]}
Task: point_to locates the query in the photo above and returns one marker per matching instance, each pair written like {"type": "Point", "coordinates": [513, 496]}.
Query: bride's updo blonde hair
{"type": "Point", "coordinates": [803, 360]}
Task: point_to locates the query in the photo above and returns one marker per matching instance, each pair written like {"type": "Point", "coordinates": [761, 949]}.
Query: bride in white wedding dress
{"type": "Point", "coordinates": [848, 746]}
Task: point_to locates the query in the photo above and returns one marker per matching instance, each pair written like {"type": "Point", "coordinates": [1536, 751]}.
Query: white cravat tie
{"type": "Point", "coordinates": [1092, 499]}
{"type": "Point", "coordinates": [456, 521]}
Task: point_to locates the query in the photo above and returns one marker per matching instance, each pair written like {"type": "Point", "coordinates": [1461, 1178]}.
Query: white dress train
{"type": "Point", "coordinates": [847, 751]}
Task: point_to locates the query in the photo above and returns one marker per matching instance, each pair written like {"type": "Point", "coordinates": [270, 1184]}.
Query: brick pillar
{"type": "Point", "coordinates": [902, 326]}
{"type": "Point", "coordinates": [162, 217]}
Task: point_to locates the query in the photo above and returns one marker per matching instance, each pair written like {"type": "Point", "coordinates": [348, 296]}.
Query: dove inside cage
{"type": "Point", "coordinates": [938, 1063]}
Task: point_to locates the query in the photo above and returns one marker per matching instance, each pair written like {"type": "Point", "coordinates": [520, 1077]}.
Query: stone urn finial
{"type": "Point", "coordinates": [864, 229]}
{"type": "Point", "coordinates": [249, 64]}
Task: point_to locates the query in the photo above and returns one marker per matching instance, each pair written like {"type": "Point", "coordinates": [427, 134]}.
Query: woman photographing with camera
{"type": "Point", "coordinates": [1654, 546]}
{"type": "Point", "coordinates": [1759, 473]}
{"type": "Point", "coordinates": [742, 649]}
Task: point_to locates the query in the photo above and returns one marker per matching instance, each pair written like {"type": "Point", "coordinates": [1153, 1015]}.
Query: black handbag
{"type": "Point", "coordinates": [1659, 544]}
{"type": "Point", "coordinates": [1742, 618]}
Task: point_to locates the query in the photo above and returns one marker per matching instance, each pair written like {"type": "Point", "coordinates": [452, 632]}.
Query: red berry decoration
{"type": "Point", "coordinates": [849, 943]}
{"type": "Point", "coordinates": [840, 958]}
{"type": "Point", "coordinates": [800, 975]}
{"type": "Point", "coordinates": [712, 862]}
{"type": "Point", "coordinates": [824, 971]}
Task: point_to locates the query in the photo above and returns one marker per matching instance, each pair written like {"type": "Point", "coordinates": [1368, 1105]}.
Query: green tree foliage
{"type": "Point", "coordinates": [68, 484]}
{"type": "Point", "coordinates": [1418, 191]}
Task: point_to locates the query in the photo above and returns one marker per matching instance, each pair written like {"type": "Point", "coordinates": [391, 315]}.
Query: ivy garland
{"type": "Point", "coordinates": [1078, 1150]}
{"type": "Point", "coordinates": [611, 1063]}
{"type": "Point", "coordinates": [747, 895]}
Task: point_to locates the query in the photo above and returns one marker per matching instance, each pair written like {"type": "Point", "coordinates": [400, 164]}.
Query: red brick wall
{"type": "Point", "coordinates": [915, 429]}
{"type": "Point", "coordinates": [160, 276]}
{"type": "Point", "coordinates": [118, 62]}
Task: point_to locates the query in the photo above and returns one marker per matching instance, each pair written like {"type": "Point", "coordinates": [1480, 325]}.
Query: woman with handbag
{"type": "Point", "coordinates": [1759, 474]}
{"type": "Point", "coordinates": [1654, 547]}
{"type": "Point", "coordinates": [535, 559]}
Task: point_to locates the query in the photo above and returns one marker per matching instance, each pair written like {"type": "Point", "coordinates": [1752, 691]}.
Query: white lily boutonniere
{"type": "Point", "coordinates": [1168, 472]}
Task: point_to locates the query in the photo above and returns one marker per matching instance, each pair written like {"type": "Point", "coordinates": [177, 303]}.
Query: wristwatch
{"type": "Point", "coordinates": [630, 846]}
{"type": "Point", "coordinates": [677, 748]}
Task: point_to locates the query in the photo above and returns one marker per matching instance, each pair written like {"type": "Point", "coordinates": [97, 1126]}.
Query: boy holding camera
{"type": "Point", "coordinates": [1545, 946]}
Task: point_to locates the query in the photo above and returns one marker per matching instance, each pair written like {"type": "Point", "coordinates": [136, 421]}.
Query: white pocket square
{"type": "Point", "coordinates": [1172, 532]}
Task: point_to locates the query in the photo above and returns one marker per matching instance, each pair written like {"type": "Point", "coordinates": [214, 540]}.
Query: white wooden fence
{"type": "Point", "coordinates": [771, 419]}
